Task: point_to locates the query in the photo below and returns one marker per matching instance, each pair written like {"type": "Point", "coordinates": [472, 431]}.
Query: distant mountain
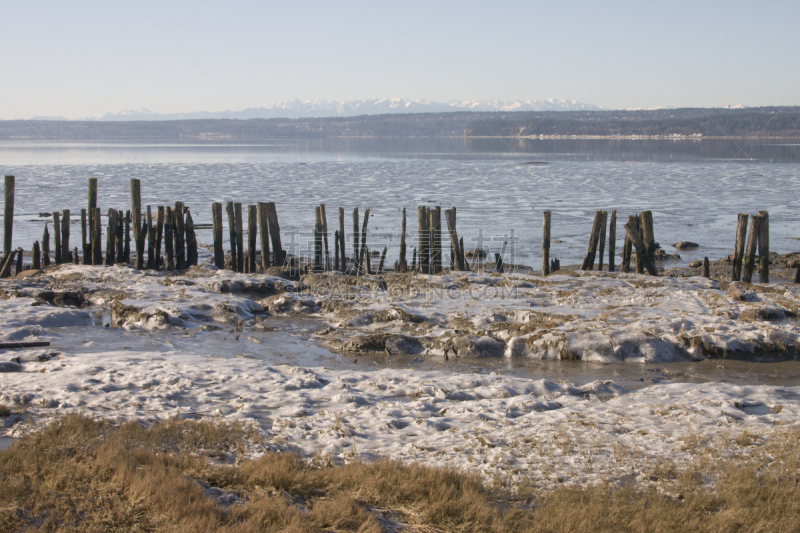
{"type": "Point", "coordinates": [322, 108]}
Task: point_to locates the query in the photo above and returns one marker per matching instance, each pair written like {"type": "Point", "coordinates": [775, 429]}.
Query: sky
{"type": "Point", "coordinates": [87, 58]}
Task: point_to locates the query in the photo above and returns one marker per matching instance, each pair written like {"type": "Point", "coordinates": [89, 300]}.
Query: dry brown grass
{"type": "Point", "coordinates": [86, 475]}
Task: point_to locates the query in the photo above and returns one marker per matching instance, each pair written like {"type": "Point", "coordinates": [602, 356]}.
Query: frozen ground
{"type": "Point", "coordinates": [408, 366]}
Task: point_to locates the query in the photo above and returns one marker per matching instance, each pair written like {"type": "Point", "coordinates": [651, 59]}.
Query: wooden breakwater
{"type": "Point", "coordinates": [166, 240]}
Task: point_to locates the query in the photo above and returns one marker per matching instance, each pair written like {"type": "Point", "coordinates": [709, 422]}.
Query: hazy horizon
{"type": "Point", "coordinates": [97, 58]}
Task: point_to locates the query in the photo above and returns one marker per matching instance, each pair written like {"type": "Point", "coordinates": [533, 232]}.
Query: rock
{"type": "Point", "coordinates": [27, 273]}
{"type": "Point", "coordinates": [696, 264]}
{"type": "Point", "coordinates": [735, 292]}
{"type": "Point", "coordinates": [480, 253]}
{"type": "Point", "coordinates": [10, 367]}
{"type": "Point", "coordinates": [472, 346]}
{"type": "Point", "coordinates": [685, 245]}
{"type": "Point", "coordinates": [402, 345]}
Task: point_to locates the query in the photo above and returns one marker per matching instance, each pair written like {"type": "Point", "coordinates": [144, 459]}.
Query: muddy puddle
{"type": "Point", "coordinates": [292, 341]}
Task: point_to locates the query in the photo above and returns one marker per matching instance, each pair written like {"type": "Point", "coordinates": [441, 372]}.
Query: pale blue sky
{"type": "Point", "coordinates": [78, 59]}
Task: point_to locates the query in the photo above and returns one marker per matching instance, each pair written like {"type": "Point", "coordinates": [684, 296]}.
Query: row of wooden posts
{"type": "Point", "coordinates": [175, 228]}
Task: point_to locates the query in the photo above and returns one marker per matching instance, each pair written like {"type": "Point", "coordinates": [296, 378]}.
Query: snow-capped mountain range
{"type": "Point", "coordinates": [377, 106]}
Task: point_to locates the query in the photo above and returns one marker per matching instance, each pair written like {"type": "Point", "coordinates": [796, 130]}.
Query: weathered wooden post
{"type": "Point", "coordinates": [343, 259]}
{"type": "Point", "coordinates": [626, 247]}
{"type": "Point", "coordinates": [383, 258]}
{"type": "Point", "coordinates": [46, 247]}
{"type": "Point", "coordinates": [65, 252]}
{"type": "Point", "coordinates": [363, 250]}
{"type": "Point", "coordinates": [327, 263]}
{"type": "Point", "coordinates": [216, 222]}
{"type": "Point", "coordinates": [159, 234]}
{"type": "Point", "coordinates": [763, 247]}
{"type": "Point", "coordinates": [602, 246]}
{"type": "Point", "coordinates": [414, 260]}
{"type": "Point", "coordinates": [169, 238]}
{"type": "Point", "coordinates": [594, 238]}
{"type": "Point", "coordinates": [612, 240]}
{"type": "Point", "coordinates": [336, 250]}
{"type": "Point", "coordinates": [232, 234]}
{"type": "Point", "coordinates": [402, 264]}
{"type": "Point", "coordinates": [252, 235]}
{"type": "Point", "coordinates": [356, 233]}
{"type": "Point", "coordinates": [127, 250]}
{"type": "Point", "coordinates": [263, 229]}
{"type": "Point", "coordinates": [648, 236]}
{"type": "Point", "coordinates": [546, 243]}
{"type": "Point", "coordinates": [752, 248]}
{"type": "Point", "coordinates": [111, 231]}
{"type": "Point", "coordinates": [706, 268]}
{"type": "Point", "coordinates": [36, 258]}
{"type": "Point", "coordinates": [237, 211]}
{"type": "Point", "coordinates": [57, 237]}
{"type": "Point", "coordinates": [75, 256]}
{"type": "Point", "coordinates": [92, 204]}
{"type": "Point", "coordinates": [191, 240]}
{"type": "Point", "coordinates": [86, 259]}
{"type": "Point", "coordinates": [20, 258]}
{"type": "Point", "coordinates": [423, 221]}
{"type": "Point", "coordinates": [179, 231]}
{"type": "Point", "coordinates": [136, 211]}
{"type": "Point", "coordinates": [278, 253]}
{"type": "Point", "coordinates": [367, 260]}
{"type": "Point", "coordinates": [639, 260]}
{"type": "Point", "coordinates": [463, 256]}
{"type": "Point", "coordinates": [436, 240]}
{"type": "Point", "coordinates": [151, 240]}
{"type": "Point", "coordinates": [498, 263]}
{"type": "Point", "coordinates": [317, 238]}
{"type": "Point", "coordinates": [738, 250]}
{"type": "Point", "coordinates": [97, 247]}
{"type": "Point", "coordinates": [641, 251]}
{"type": "Point", "coordinates": [8, 214]}
{"type": "Point", "coordinates": [450, 219]}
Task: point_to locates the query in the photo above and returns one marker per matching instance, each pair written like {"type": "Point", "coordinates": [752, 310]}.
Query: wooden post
{"type": "Point", "coordinates": [463, 256]}
{"type": "Point", "coordinates": [648, 237]}
{"type": "Point", "coordinates": [498, 263]}
{"type": "Point", "coordinates": [92, 204]}
{"type": "Point", "coordinates": [706, 268]}
{"type": "Point", "coordinates": [738, 250]}
{"type": "Point", "coordinates": [639, 260]}
{"type": "Point", "coordinates": [127, 250]}
{"type": "Point", "coordinates": [252, 235]}
{"type": "Point", "coordinates": [191, 240]}
{"type": "Point", "coordinates": [151, 239]}
{"type": "Point", "coordinates": [237, 211]}
{"type": "Point", "coordinates": [136, 211]}
{"type": "Point", "coordinates": [436, 240]}
{"type": "Point", "coordinates": [36, 261]}
{"type": "Point", "coordinates": [423, 220]}
{"type": "Point", "coordinates": [626, 248]}
{"type": "Point", "coordinates": [8, 260]}
{"type": "Point", "coordinates": [86, 259]}
{"type": "Point", "coordinates": [356, 233]}
{"type": "Point", "coordinates": [318, 239]}
{"type": "Point", "coordinates": [327, 263]}
{"type": "Point", "coordinates": [752, 248]}
{"type": "Point", "coordinates": [336, 250]}
{"type": "Point", "coordinates": [46, 247]}
{"type": "Point", "coordinates": [20, 258]}
{"type": "Point", "coordinates": [97, 247]}
{"type": "Point", "coordinates": [111, 231]}
{"type": "Point", "coordinates": [545, 243]}
{"type": "Point", "coordinates": [343, 259]}
{"type": "Point", "coordinates": [75, 256]}
{"type": "Point", "coordinates": [169, 238]}
{"type": "Point", "coordinates": [363, 250]}
{"type": "Point", "coordinates": [602, 247]}
{"type": "Point", "coordinates": [594, 238]}
{"type": "Point", "coordinates": [641, 252]}
{"type": "Point", "coordinates": [65, 220]}
{"type": "Point", "coordinates": [402, 264]}
{"type": "Point", "coordinates": [763, 247]}
{"type": "Point", "coordinates": [8, 214]}
{"type": "Point", "coordinates": [179, 231]}
{"type": "Point", "coordinates": [414, 259]}
{"type": "Point", "coordinates": [450, 219]}
{"type": "Point", "coordinates": [612, 240]}
{"type": "Point", "coordinates": [383, 258]}
{"type": "Point", "coordinates": [278, 254]}
{"type": "Point", "coordinates": [57, 237]}
{"type": "Point", "coordinates": [216, 220]}
{"type": "Point", "coordinates": [263, 228]}
{"type": "Point", "coordinates": [232, 234]}
{"type": "Point", "coordinates": [159, 234]}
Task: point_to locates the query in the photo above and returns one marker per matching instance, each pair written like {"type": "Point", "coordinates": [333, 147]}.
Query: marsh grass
{"type": "Point", "coordinates": [90, 475]}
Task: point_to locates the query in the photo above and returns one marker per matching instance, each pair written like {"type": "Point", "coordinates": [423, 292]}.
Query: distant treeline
{"type": "Point", "coordinates": [765, 121]}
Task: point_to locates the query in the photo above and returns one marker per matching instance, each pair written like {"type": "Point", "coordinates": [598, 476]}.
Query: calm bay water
{"type": "Point", "coordinates": [694, 188]}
